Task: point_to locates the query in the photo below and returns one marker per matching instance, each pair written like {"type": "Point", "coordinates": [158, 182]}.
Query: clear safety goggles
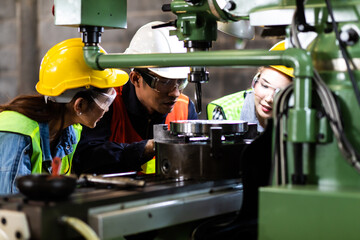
{"type": "Point", "coordinates": [266, 88]}
{"type": "Point", "coordinates": [104, 100]}
{"type": "Point", "coordinates": [160, 84]}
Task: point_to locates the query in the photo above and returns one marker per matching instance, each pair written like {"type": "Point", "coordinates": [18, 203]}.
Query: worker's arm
{"type": "Point", "coordinates": [96, 154]}
{"type": "Point", "coordinates": [15, 153]}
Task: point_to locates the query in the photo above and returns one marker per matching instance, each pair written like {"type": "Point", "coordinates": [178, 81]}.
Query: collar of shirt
{"type": "Point", "coordinates": [140, 119]}
{"type": "Point", "coordinates": [134, 106]}
{"type": "Point", "coordinates": [64, 146]}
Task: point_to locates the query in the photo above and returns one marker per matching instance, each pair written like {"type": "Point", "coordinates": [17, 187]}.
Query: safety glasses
{"type": "Point", "coordinates": [160, 84]}
{"type": "Point", "coordinates": [104, 100]}
{"type": "Point", "coordinates": [266, 89]}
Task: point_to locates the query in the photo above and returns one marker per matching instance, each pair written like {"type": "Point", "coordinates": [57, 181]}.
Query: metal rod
{"type": "Point", "coordinates": [296, 58]}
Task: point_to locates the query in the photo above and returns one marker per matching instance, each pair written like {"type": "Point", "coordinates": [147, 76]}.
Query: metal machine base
{"type": "Point", "coordinates": [114, 213]}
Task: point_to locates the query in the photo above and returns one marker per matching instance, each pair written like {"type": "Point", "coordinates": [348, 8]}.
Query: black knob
{"type": "Point", "coordinates": [349, 36]}
{"type": "Point", "coordinates": [91, 35]}
{"type": "Point", "coordinates": [230, 5]}
{"type": "Point", "coordinates": [166, 8]}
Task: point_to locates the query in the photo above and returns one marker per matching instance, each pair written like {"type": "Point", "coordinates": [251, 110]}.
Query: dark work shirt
{"type": "Point", "coordinates": [96, 154]}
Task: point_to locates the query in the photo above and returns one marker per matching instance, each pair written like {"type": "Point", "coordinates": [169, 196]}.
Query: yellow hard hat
{"type": "Point", "coordinates": [63, 67]}
{"type": "Point", "coordinates": [280, 46]}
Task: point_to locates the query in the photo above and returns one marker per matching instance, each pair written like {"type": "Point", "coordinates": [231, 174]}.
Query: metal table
{"type": "Point", "coordinates": [116, 212]}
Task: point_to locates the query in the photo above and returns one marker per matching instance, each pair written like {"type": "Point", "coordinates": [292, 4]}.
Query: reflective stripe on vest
{"type": "Point", "coordinates": [122, 130]}
{"type": "Point", "coordinates": [11, 121]}
{"type": "Point", "coordinates": [231, 105]}
{"type": "Point", "coordinates": [180, 111]}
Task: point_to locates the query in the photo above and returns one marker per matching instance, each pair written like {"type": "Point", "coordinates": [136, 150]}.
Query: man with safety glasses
{"type": "Point", "coordinates": [152, 96]}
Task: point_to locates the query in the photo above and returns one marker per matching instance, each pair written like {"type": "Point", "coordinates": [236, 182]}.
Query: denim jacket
{"type": "Point", "coordinates": [15, 154]}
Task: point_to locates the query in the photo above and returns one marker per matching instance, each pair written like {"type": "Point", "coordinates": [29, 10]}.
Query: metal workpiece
{"type": "Point", "coordinates": [198, 160]}
{"type": "Point", "coordinates": [201, 149]}
{"type": "Point", "coordinates": [203, 127]}
{"type": "Point", "coordinates": [161, 134]}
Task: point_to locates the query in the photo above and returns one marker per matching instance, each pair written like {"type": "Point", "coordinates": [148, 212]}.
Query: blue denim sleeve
{"type": "Point", "coordinates": [96, 154]}
{"type": "Point", "coordinates": [15, 154]}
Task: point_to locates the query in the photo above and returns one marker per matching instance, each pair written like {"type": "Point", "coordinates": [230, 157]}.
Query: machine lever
{"type": "Point", "coordinates": [168, 24]}
{"type": "Point", "coordinates": [303, 26]}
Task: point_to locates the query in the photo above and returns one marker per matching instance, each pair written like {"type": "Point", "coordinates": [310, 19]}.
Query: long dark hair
{"type": "Point", "coordinates": [35, 107]}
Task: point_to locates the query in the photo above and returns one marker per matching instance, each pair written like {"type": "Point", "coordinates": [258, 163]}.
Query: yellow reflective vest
{"type": "Point", "coordinates": [11, 121]}
{"type": "Point", "coordinates": [230, 105]}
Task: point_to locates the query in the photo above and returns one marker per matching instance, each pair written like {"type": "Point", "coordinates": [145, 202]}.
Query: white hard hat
{"type": "Point", "coordinates": [148, 40]}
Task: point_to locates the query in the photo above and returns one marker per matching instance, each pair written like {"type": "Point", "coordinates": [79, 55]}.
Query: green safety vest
{"type": "Point", "coordinates": [11, 121]}
{"type": "Point", "coordinates": [230, 105]}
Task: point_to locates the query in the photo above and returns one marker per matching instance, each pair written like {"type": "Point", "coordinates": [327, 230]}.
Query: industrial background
{"type": "Point", "coordinates": [28, 31]}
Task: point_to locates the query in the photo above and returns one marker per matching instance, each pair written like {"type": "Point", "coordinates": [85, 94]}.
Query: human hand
{"type": "Point", "coordinates": [149, 151]}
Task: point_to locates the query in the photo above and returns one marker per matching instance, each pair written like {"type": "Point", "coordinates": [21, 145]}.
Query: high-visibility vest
{"type": "Point", "coordinates": [14, 122]}
{"type": "Point", "coordinates": [123, 131]}
{"type": "Point", "coordinates": [230, 105]}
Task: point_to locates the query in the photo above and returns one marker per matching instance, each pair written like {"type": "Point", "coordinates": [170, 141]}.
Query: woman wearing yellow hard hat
{"type": "Point", "coordinates": [34, 129]}
{"type": "Point", "coordinates": [254, 105]}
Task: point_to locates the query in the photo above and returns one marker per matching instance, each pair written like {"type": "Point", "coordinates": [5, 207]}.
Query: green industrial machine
{"type": "Point", "coordinates": [315, 185]}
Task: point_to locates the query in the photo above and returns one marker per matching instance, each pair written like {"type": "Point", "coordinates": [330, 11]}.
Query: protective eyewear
{"type": "Point", "coordinates": [160, 84]}
{"type": "Point", "coordinates": [104, 100]}
{"type": "Point", "coordinates": [266, 88]}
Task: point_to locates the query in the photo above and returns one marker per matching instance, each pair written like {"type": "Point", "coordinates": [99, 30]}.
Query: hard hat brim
{"type": "Point", "coordinates": [172, 73]}
{"type": "Point", "coordinates": [115, 78]}
{"type": "Point", "coordinates": [283, 69]}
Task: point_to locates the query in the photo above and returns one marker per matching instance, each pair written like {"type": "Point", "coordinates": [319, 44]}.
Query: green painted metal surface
{"type": "Point", "coordinates": [327, 207]}
{"type": "Point", "coordinates": [303, 126]}
{"type": "Point", "coordinates": [323, 163]}
{"type": "Point", "coordinates": [194, 22]}
{"type": "Point", "coordinates": [298, 212]}
{"type": "Point", "coordinates": [104, 13]}
{"type": "Point", "coordinates": [297, 58]}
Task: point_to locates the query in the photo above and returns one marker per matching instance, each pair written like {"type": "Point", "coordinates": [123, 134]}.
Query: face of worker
{"type": "Point", "coordinates": [91, 118]}
{"type": "Point", "coordinates": [153, 100]}
{"type": "Point", "coordinates": [269, 81]}
{"type": "Point", "coordinates": [90, 113]}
